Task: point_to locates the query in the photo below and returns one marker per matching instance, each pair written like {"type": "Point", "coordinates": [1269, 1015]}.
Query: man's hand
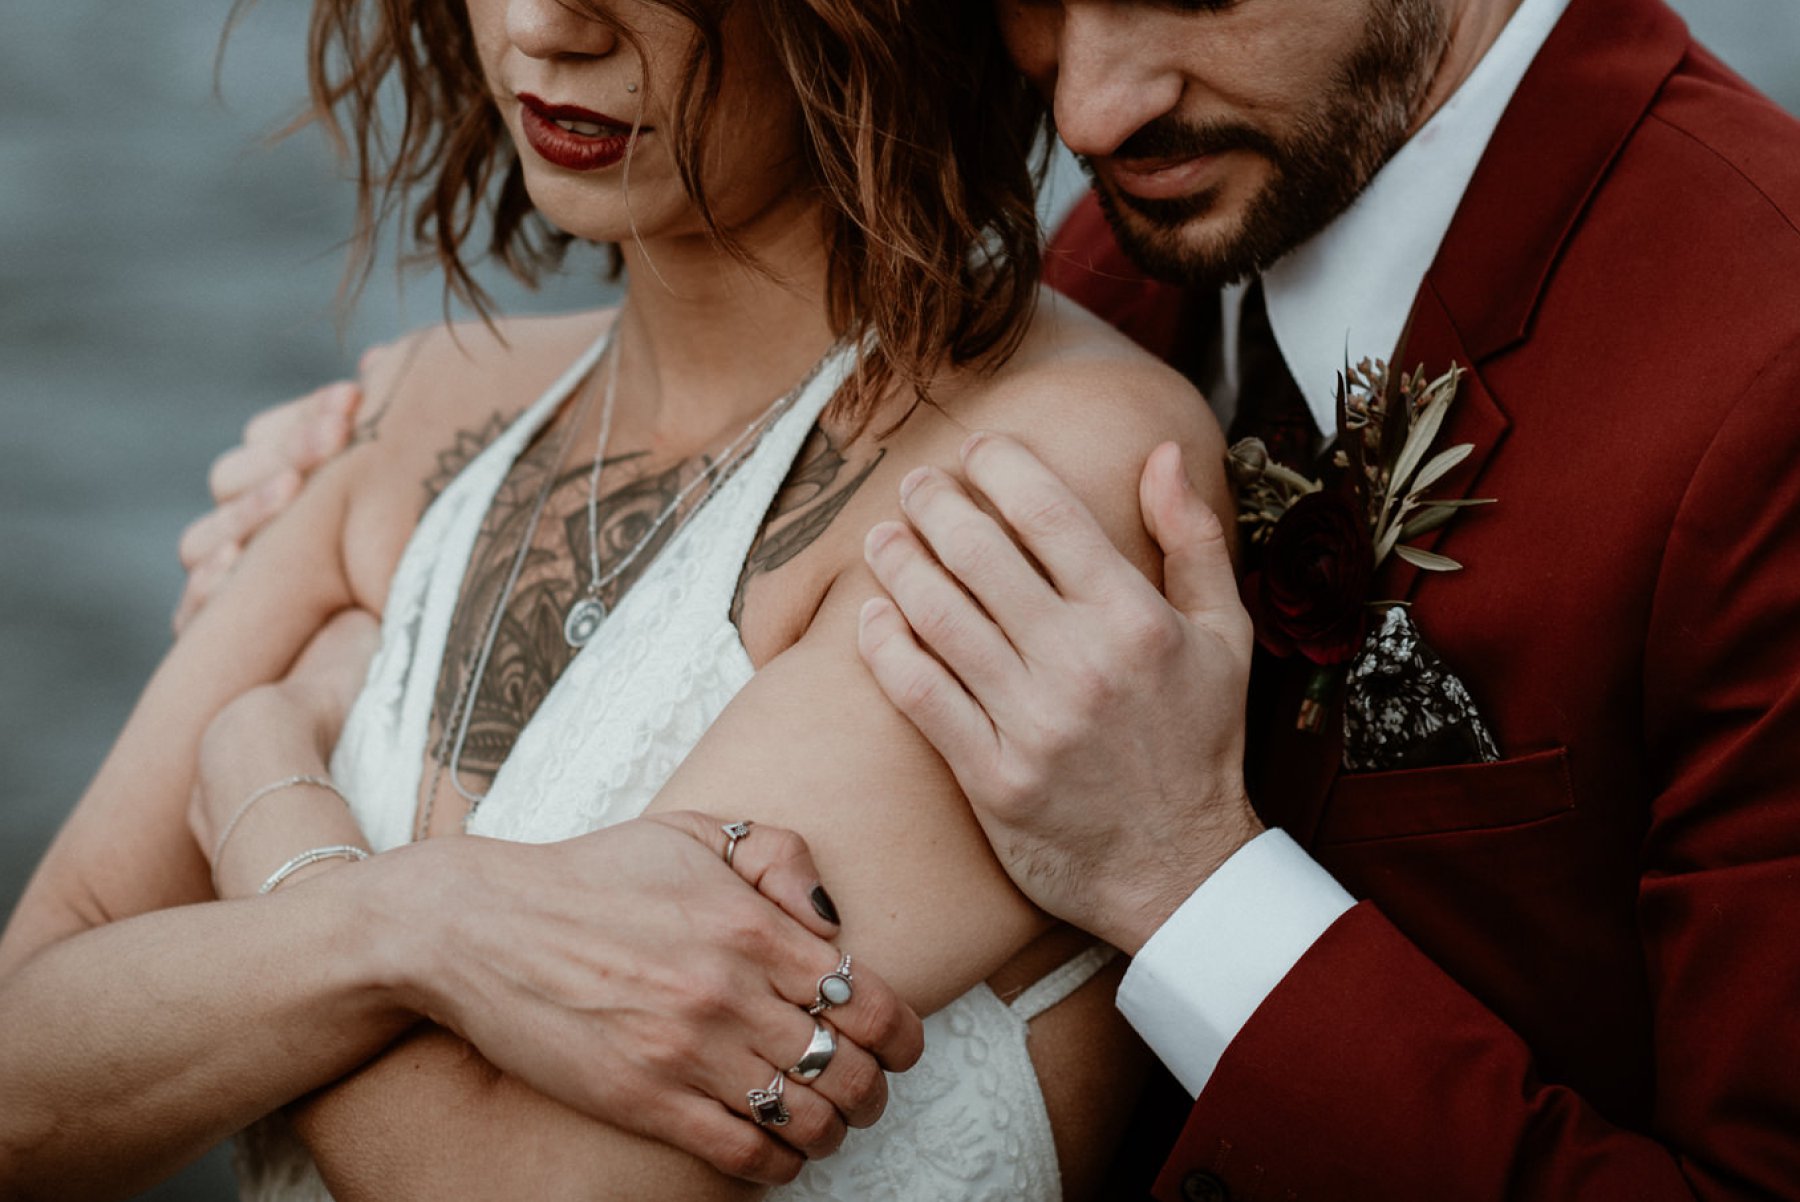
{"type": "Point", "coordinates": [631, 975]}
{"type": "Point", "coordinates": [254, 482]}
{"type": "Point", "coordinates": [1097, 728]}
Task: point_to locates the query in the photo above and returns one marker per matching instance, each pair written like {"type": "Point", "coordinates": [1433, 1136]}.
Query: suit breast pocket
{"type": "Point", "coordinates": [1460, 798]}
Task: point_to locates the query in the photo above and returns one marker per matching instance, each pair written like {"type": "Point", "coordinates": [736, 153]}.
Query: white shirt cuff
{"type": "Point", "coordinates": [1204, 972]}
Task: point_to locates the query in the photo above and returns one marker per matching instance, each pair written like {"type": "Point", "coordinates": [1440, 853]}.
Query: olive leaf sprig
{"type": "Point", "coordinates": [1388, 424]}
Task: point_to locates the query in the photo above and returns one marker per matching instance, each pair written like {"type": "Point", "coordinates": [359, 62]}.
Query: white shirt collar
{"type": "Point", "coordinates": [1351, 286]}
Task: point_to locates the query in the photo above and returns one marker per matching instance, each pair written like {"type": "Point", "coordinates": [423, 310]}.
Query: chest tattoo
{"type": "Point", "coordinates": [529, 652]}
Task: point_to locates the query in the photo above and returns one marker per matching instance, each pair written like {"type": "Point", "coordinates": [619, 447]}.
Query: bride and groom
{"type": "Point", "coordinates": [1566, 976]}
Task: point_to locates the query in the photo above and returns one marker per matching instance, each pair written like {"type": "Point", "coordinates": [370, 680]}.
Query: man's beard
{"type": "Point", "coordinates": [1319, 167]}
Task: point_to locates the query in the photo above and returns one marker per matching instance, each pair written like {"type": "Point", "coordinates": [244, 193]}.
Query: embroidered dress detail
{"type": "Point", "coordinates": [969, 1121]}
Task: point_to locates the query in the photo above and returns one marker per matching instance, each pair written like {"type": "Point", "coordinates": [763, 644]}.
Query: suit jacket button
{"type": "Point", "coordinates": [1204, 1187]}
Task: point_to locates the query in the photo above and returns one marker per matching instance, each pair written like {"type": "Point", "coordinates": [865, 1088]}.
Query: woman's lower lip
{"type": "Point", "coordinates": [570, 151]}
{"type": "Point", "coordinates": [1160, 179]}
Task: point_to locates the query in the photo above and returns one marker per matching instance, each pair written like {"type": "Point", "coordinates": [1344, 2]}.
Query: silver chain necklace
{"type": "Point", "coordinates": [463, 711]}
{"type": "Point", "coordinates": [588, 612]}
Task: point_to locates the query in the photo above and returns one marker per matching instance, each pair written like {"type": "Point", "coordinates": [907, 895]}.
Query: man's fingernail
{"type": "Point", "coordinates": [911, 482]}
{"type": "Point", "coordinates": [878, 538]}
{"type": "Point", "coordinates": [821, 901]}
{"type": "Point", "coordinates": [971, 442]}
{"type": "Point", "coordinates": [1181, 472]}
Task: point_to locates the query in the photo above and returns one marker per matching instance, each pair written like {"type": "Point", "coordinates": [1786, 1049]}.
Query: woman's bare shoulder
{"type": "Point", "coordinates": [432, 401]}
{"type": "Point", "coordinates": [1075, 386]}
{"type": "Point", "coordinates": [1092, 405]}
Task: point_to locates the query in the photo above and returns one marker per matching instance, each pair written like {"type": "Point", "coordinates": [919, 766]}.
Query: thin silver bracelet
{"type": "Point", "coordinates": [338, 851]}
{"type": "Point", "coordinates": [276, 786]}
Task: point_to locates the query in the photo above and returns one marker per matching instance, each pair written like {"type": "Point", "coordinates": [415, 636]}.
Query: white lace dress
{"type": "Point", "coordinates": [968, 1123]}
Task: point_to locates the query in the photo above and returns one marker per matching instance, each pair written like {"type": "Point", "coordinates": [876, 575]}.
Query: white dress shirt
{"type": "Point", "coordinates": [1201, 976]}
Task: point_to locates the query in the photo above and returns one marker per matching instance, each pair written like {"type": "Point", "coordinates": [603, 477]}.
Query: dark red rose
{"type": "Point", "coordinates": [1310, 595]}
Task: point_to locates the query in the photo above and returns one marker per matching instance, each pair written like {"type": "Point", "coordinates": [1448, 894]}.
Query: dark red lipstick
{"type": "Point", "coordinates": [596, 141]}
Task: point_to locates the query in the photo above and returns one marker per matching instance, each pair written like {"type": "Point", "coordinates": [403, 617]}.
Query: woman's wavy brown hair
{"type": "Point", "coordinates": [921, 139]}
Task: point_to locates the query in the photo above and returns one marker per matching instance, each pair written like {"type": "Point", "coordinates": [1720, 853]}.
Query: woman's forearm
{"type": "Point", "coordinates": [130, 1049]}
{"type": "Point", "coordinates": [431, 1119]}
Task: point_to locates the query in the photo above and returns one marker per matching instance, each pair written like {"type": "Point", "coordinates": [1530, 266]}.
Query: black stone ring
{"type": "Point", "coordinates": [766, 1107]}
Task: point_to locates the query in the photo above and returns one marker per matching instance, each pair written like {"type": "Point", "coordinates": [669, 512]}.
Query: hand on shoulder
{"type": "Point", "coordinates": [1095, 726]}
{"type": "Point", "coordinates": [427, 387]}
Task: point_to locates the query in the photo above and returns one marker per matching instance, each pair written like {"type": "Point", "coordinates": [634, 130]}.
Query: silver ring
{"type": "Point", "coordinates": [834, 988]}
{"type": "Point", "coordinates": [766, 1107]}
{"type": "Point", "coordinates": [733, 832]}
{"type": "Point", "coordinates": [818, 1053]}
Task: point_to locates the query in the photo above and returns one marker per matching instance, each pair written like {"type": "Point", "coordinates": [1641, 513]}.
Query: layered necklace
{"type": "Point", "coordinates": [588, 611]}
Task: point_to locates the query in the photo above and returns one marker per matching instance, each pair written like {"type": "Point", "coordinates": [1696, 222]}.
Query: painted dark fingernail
{"type": "Point", "coordinates": [821, 901]}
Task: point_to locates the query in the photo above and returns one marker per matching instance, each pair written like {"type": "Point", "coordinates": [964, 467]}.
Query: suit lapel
{"type": "Point", "coordinates": [1475, 418]}
{"type": "Point", "coordinates": [1584, 95]}
{"type": "Point", "coordinates": [1587, 90]}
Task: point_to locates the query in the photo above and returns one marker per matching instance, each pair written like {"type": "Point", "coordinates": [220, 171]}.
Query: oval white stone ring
{"type": "Point", "coordinates": [834, 988]}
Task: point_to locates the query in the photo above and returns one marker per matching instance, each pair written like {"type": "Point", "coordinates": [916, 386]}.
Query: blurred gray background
{"type": "Point", "coordinates": [164, 273]}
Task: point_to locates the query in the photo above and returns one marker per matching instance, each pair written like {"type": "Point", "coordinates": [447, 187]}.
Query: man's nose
{"type": "Point", "coordinates": [557, 28]}
{"type": "Point", "coordinates": [1112, 77]}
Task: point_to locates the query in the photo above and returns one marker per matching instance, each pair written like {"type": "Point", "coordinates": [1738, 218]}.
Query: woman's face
{"type": "Point", "coordinates": [570, 84]}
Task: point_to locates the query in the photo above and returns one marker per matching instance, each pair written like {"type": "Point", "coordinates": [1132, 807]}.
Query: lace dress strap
{"type": "Point", "coordinates": [1057, 984]}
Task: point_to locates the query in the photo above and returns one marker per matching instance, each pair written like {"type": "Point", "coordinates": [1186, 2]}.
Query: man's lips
{"type": "Point", "coordinates": [1165, 178]}
{"type": "Point", "coordinates": [573, 137]}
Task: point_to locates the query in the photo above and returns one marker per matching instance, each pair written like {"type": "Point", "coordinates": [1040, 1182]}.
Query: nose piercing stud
{"type": "Point", "coordinates": [631, 87]}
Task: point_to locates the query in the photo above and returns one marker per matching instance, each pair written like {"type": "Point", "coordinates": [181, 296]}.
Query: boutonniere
{"type": "Point", "coordinates": [1318, 545]}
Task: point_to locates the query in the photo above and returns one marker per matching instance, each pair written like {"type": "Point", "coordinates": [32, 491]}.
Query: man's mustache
{"type": "Point", "coordinates": [1170, 137]}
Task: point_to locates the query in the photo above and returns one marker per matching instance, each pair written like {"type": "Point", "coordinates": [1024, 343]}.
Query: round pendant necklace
{"type": "Point", "coordinates": [583, 620]}
{"type": "Point", "coordinates": [463, 711]}
{"type": "Point", "coordinates": [586, 615]}
{"type": "Point", "coordinates": [588, 610]}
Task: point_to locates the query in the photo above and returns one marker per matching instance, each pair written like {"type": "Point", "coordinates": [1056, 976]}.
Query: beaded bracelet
{"type": "Point", "coordinates": [338, 851]}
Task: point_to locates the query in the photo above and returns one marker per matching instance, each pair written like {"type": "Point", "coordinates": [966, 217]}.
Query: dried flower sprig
{"type": "Point", "coordinates": [1318, 547]}
{"type": "Point", "coordinates": [1386, 425]}
{"type": "Point", "coordinates": [1389, 424]}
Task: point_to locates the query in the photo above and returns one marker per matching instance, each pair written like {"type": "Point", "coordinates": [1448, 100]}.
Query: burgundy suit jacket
{"type": "Point", "coordinates": [1576, 971]}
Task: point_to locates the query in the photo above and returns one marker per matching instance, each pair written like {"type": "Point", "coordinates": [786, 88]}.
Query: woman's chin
{"type": "Point", "coordinates": [593, 216]}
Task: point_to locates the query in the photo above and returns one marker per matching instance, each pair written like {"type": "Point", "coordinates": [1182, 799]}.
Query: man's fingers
{"type": "Point", "coordinates": [1198, 576]}
{"type": "Point", "coordinates": [1048, 517]}
{"type": "Point", "coordinates": [204, 579]}
{"type": "Point", "coordinates": [235, 521]}
{"type": "Point", "coordinates": [975, 549]}
{"type": "Point", "coordinates": [944, 618]}
{"type": "Point", "coordinates": [240, 470]}
{"type": "Point", "coordinates": [921, 688]}
{"type": "Point", "coordinates": [302, 434]}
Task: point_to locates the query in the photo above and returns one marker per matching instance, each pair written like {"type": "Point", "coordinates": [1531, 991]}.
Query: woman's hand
{"type": "Point", "coordinates": [630, 975]}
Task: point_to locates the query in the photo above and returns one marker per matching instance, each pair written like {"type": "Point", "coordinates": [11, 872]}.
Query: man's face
{"type": "Point", "coordinates": [1223, 133]}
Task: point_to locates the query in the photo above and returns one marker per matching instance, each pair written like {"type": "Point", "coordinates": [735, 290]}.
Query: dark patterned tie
{"type": "Point", "coordinates": [1270, 406]}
